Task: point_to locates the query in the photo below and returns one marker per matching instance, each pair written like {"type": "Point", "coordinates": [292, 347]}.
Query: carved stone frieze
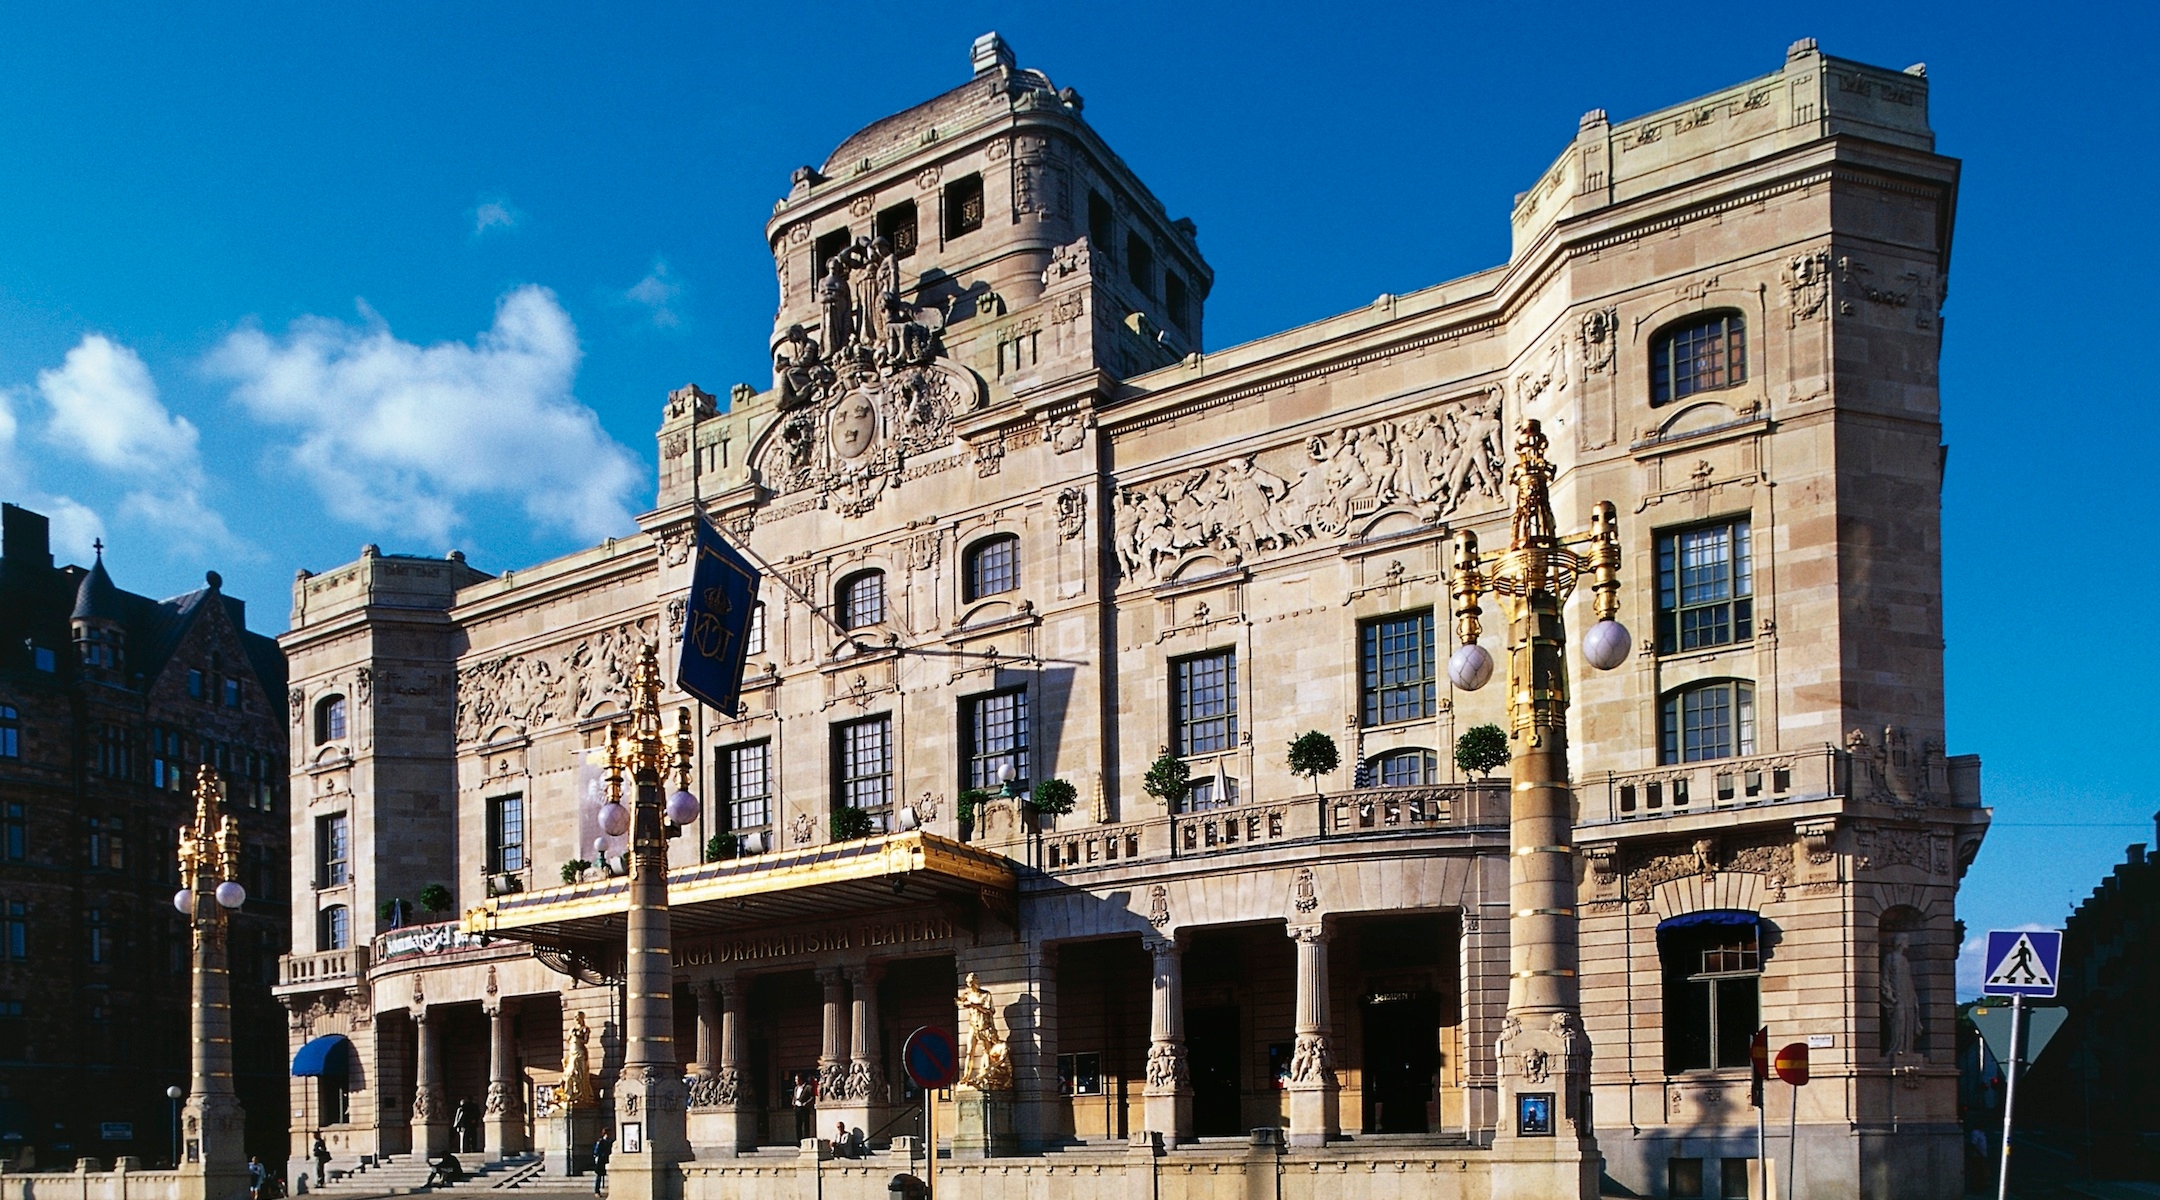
{"type": "Point", "coordinates": [1895, 771]}
{"type": "Point", "coordinates": [1435, 462]}
{"type": "Point", "coordinates": [1166, 1067]}
{"type": "Point", "coordinates": [523, 692]}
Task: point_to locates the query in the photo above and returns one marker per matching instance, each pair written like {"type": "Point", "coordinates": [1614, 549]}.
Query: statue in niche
{"type": "Point", "coordinates": [1900, 997]}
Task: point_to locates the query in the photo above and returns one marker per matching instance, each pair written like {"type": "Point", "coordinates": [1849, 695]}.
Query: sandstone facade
{"type": "Point", "coordinates": [1014, 513]}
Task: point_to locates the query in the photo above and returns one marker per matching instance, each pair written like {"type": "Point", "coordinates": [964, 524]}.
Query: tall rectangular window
{"type": "Point", "coordinates": [1175, 304]}
{"type": "Point", "coordinates": [1204, 698]}
{"type": "Point", "coordinates": [862, 755]}
{"type": "Point", "coordinates": [963, 206]}
{"type": "Point", "coordinates": [754, 642]}
{"type": "Point", "coordinates": [506, 834]}
{"type": "Point", "coordinates": [1101, 227]}
{"type": "Point", "coordinates": [10, 732]}
{"type": "Point", "coordinates": [897, 226]}
{"type": "Point", "coordinates": [115, 752]}
{"type": "Point", "coordinates": [333, 928]}
{"type": "Point", "coordinates": [15, 932]}
{"type": "Point", "coordinates": [107, 843]}
{"type": "Point", "coordinates": [827, 247]}
{"type": "Point", "coordinates": [1401, 680]}
{"type": "Point", "coordinates": [1140, 263]}
{"type": "Point", "coordinates": [97, 940]}
{"type": "Point", "coordinates": [15, 837]}
{"type": "Point", "coordinates": [746, 781]}
{"type": "Point", "coordinates": [997, 736]}
{"type": "Point", "coordinates": [333, 850]}
{"type": "Point", "coordinates": [194, 684]}
{"type": "Point", "coordinates": [1706, 587]}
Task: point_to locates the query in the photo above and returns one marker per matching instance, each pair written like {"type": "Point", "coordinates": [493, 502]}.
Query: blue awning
{"type": "Point", "coordinates": [329, 1054]}
{"type": "Point", "coordinates": [1732, 917]}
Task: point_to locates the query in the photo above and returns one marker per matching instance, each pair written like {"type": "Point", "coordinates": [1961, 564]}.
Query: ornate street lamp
{"type": "Point", "coordinates": [213, 1161]}
{"type": "Point", "coordinates": [1544, 1057]}
{"type": "Point", "coordinates": [649, 1092]}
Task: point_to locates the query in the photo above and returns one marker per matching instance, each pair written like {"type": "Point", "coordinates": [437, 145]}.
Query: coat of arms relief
{"type": "Point", "coordinates": [868, 388]}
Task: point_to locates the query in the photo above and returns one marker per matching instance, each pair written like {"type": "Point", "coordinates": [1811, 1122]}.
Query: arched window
{"type": "Point", "coordinates": [1706, 721]}
{"type": "Point", "coordinates": [1712, 964]}
{"type": "Point", "coordinates": [1702, 354]}
{"type": "Point", "coordinates": [1403, 768]}
{"type": "Point", "coordinates": [333, 928]}
{"type": "Point", "coordinates": [993, 566]}
{"type": "Point", "coordinates": [862, 599]}
{"type": "Point", "coordinates": [329, 719]}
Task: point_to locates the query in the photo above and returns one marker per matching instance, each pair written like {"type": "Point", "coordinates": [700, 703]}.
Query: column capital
{"type": "Point", "coordinates": [1310, 934]}
{"type": "Point", "coordinates": [1161, 947]}
{"type": "Point", "coordinates": [864, 973]}
{"type": "Point", "coordinates": [830, 977]}
{"type": "Point", "coordinates": [732, 989]}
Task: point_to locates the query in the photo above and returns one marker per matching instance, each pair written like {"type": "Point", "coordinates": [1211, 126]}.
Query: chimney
{"type": "Point", "coordinates": [25, 537]}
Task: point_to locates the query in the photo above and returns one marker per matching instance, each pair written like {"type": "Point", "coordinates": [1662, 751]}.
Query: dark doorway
{"type": "Point", "coordinates": [1211, 1054]}
{"type": "Point", "coordinates": [1401, 1053]}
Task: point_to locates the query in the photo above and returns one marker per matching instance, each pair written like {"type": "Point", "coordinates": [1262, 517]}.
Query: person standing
{"type": "Point", "coordinates": [600, 1151]}
{"type": "Point", "coordinates": [321, 1154]}
{"type": "Point", "coordinates": [256, 1176]}
{"type": "Point", "coordinates": [805, 1099]}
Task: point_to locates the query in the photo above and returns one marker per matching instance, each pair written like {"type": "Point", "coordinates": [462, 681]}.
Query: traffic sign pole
{"type": "Point", "coordinates": [2010, 1074]}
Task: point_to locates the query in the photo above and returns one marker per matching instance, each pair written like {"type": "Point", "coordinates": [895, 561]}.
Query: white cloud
{"type": "Point", "coordinates": [74, 525]}
{"type": "Point", "coordinates": [404, 437]}
{"type": "Point", "coordinates": [1972, 962]}
{"type": "Point", "coordinates": [105, 410]}
{"type": "Point", "coordinates": [656, 294]}
{"type": "Point", "coordinates": [494, 214]}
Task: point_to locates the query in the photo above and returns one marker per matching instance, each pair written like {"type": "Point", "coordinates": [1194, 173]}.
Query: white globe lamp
{"type": "Point", "coordinates": [1470, 667]}
{"type": "Point", "coordinates": [682, 807]}
{"type": "Point", "coordinates": [231, 895]}
{"type": "Point", "coordinates": [614, 819]}
{"type": "Point", "coordinates": [1606, 644]}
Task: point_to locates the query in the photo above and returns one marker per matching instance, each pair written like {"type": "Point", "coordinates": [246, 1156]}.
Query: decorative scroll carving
{"type": "Point", "coordinates": [1159, 906]}
{"type": "Point", "coordinates": [1597, 336]}
{"type": "Point", "coordinates": [1435, 462]}
{"type": "Point", "coordinates": [1895, 771]}
{"type": "Point", "coordinates": [1817, 837]}
{"type": "Point", "coordinates": [1304, 893]}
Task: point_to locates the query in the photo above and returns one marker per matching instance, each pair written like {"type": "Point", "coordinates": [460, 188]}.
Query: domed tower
{"type": "Point", "coordinates": [993, 221]}
{"type": "Point", "coordinates": [100, 638]}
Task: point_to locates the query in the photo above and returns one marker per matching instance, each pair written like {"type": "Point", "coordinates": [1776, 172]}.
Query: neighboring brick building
{"type": "Point", "coordinates": [108, 701]}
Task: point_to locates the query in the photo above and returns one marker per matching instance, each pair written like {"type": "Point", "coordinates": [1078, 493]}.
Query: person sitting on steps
{"type": "Point", "coordinates": [445, 1170]}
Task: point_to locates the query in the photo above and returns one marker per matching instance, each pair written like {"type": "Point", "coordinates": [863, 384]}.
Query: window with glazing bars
{"type": "Point", "coordinates": [1701, 356]}
{"type": "Point", "coordinates": [897, 226]}
{"type": "Point", "coordinates": [1400, 681]}
{"type": "Point", "coordinates": [1708, 721]}
{"type": "Point", "coordinates": [333, 928]}
{"type": "Point", "coordinates": [1706, 586]}
{"type": "Point", "coordinates": [963, 205]}
{"type": "Point", "coordinates": [1713, 986]}
{"type": "Point", "coordinates": [10, 732]}
{"type": "Point", "coordinates": [997, 728]}
{"type": "Point", "coordinates": [333, 849]}
{"type": "Point", "coordinates": [862, 599]}
{"type": "Point", "coordinates": [506, 834]}
{"type": "Point", "coordinates": [1204, 691]}
{"type": "Point", "coordinates": [862, 751]}
{"type": "Point", "coordinates": [1406, 768]}
{"type": "Point", "coordinates": [746, 779]}
{"type": "Point", "coordinates": [754, 643]}
{"type": "Point", "coordinates": [993, 566]}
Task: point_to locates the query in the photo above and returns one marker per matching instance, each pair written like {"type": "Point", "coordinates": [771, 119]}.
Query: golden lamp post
{"type": "Point", "coordinates": [213, 1159]}
{"type": "Point", "coordinates": [652, 1134]}
{"type": "Point", "coordinates": [1544, 1127]}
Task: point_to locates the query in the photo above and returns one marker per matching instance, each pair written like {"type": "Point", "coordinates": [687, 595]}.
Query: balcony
{"type": "Point", "coordinates": [323, 969]}
{"type": "Point", "coordinates": [1368, 812]}
{"type": "Point", "coordinates": [1715, 786]}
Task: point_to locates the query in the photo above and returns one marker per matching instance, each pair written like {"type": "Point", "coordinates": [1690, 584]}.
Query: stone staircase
{"type": "Point", "coordinates": [393, 1175]}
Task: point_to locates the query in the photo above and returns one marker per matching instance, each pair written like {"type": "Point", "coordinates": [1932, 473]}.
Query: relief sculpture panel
{"type": "Point", "coordinates": [1434, 463]}
{"type": "Point", "coordinates": [523, 692]}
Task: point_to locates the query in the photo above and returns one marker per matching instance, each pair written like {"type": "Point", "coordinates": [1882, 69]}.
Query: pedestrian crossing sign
{"type": "Point", "coordinates": [2022, 962]}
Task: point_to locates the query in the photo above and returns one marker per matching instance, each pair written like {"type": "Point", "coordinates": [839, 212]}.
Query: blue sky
{"type": "Point", "coordinates": [279, 280]}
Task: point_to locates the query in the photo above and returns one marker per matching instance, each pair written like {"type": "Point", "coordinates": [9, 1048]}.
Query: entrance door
{"type": "Point", "coordinates": [1401, 1053]}
{"type": "Point", "coordinates": [1211, 1054]}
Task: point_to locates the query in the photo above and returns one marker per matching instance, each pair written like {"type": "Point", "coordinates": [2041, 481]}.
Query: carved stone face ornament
{"type": "Point", "coordinates": [854, 425]}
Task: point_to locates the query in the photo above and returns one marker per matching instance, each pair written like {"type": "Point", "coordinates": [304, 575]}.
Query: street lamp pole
{"type": "Point", "coordinates": [213, 1159]}
{"type": "Point", "coordinates": [649, 1092]}
{"type": "Point", "coordinates": [1545, 1133]}
{"type": "Point", "coordinates": [173, 1094]}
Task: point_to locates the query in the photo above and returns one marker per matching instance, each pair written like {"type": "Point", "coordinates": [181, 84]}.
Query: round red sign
{"type": "Point", "coordinates": [1791, 1064]}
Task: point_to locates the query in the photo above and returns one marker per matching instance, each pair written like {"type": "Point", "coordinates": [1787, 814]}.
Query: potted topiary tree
{"type": "Point", "coordinates": [850, 823]}
{"type": "Point", "coordinates": [1481, 749]}
{"type": "Point", "coordinates": [1053, 798]}
{"type": "Point", "coordinates": [575, 869]}
{"type": "Point", "coordinates": [970, 807]}
{"type": "Point", "coordinates": [436, 898]}
{"type": "Point", "coordinates": [721, 847]}
{"type": "Point", "coordinates": [1313, 754]}
{"type": "Point", "coordinates": [1169, 780]}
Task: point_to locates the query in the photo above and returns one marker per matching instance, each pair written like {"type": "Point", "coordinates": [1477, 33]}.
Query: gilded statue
{"type": "Point", "coordinates": [985, 1062]}
{"type": "Point", "coordinates": [577, 1086]}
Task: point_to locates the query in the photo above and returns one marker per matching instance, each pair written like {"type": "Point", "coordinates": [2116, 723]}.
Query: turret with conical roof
{"type": "Point", "coordinates": [96, 624]}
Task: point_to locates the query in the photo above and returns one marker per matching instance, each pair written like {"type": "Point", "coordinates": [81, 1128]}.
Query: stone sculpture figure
{"type": "Point", "coordinates": [800, 364]}
{"type": "Point", "coordinates": [577, 1087]}
{"type": "Point", "coordinates": [1900, 994]}
{"type": "Point", "coordinates": [984, 1058]}
{"type": "Point", "coordinates": [836, 327]}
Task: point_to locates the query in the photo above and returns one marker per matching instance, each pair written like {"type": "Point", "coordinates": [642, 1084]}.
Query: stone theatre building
{"type": "Point", "coordinates": [1022, 525]}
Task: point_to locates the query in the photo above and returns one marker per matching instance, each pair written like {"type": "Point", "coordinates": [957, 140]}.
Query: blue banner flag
{"type": "Point", "coordinates": [716, 628]}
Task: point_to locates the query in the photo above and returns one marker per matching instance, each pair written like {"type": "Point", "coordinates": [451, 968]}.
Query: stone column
{"type": "Point", "coordinates": [502, 1125]}
{"type": "Point", "coordinates": [430, 1107]}
{"type": "Point", "coordinates": [866, 1069]}
{"type": "Point", "coordinates": [738, 1127]}
{"type": "Point", "coordinates": [213, 1163]}
{"type": "Point", "coordinates": [832, 1050]}
{"type": "Point", "coordinates": [860, 1095]}
{"type": "Point", "coordinates": [1168, 1097]}
{"type": "Point", "coordinates": [708, 1031]}
{"type": "Point", "coordinates": [1315, 1097]}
